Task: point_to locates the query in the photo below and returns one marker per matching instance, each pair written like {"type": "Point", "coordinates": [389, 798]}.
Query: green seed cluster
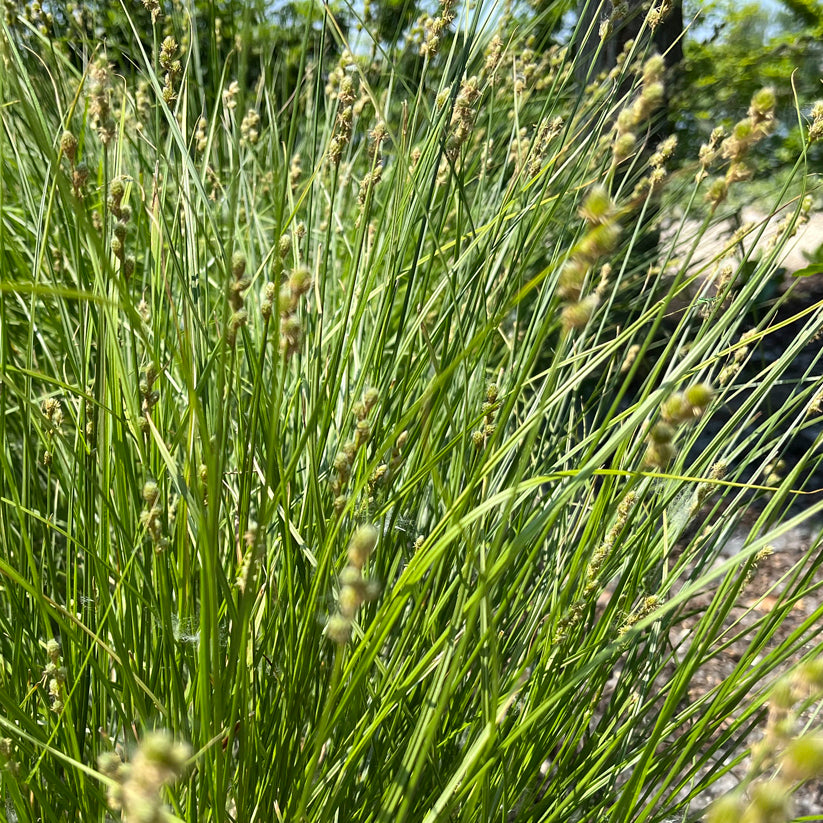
{"type": "Point", "coordinates": [53, 412]}
{"type": "Point", "coordinates": [172, 69]}
{"type": "Point", "coordinates": [78, 171]}
{"type": "Point", "coordinates": [816, 127]}
{"type": "Point", "coordinates": [344, 459]}
{"type": "Point", "coordinates": [636, 116]}
{"type": "Point", "coordinates": [237, 286]}
{"type": "Point", "coordinates": [784, 759]}
{"type": "Point", "coordinates": [122, 214]}
{"type": "Point", "coordinates": [433, 28]}
{"type": "Point", "coordinates": [603, 551]}
{"type": "Point", "coordinates": [152, 517]}
{"type": "Point", "coordinates": [56, 675]}
{"type": "Point", "coordinates": [481, 436]}
{"type": "Point", "coordinates": [252, 559]}
{"type": "Point", "coordinates": [759, 123]}
{"type": "Point", "coordinates": [344, 123]}
{"type": "Point", "coordinates": [354, 589]}
{"type": "Point", "coordinates": [678, 409]}
{"type": "Point", "coordinates": [599, 212]}
{"type": "Point", "coordinates": [462, 121]}
{"type": "Point", "coordinates": [8, 756]}
{"type": "Point", "coordinates": [100, 100]}
{"type": "Point", "coordinates": [250, 128]}
{"type": "Point", "coordinates": [149, 396]}
{"type": "Point", "coordinates": [137, 787]}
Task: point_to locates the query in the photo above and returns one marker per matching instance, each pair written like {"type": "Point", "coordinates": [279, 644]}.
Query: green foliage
{"type": "Point", "coordinates": [748, 43]}
{"type": "Point", "coordinates": [328, 389]}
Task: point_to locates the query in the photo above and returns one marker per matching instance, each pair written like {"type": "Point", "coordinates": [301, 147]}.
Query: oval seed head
{"type": "Point", "coordinates": [699, 395]}
{"type": "Point", "coordinates": [160, 749]}
{"type": "Point", "coordinates": [625, 121]}
{"type": "Point", "coordinates": [350, 576]}
{"type": "Point", "coordinates": [659, 455]}
{"type": "Point", "coordinates": [803, 757]}
{"type": "Point", "coordinates": [653, 69]}
{"type": "Point", "coordinates": [362, 545]}
{"type": "Point", "coordinates": [662, 433]}
{"type": "Point", "coordinates": [370, 398]}
{"type": "Point", "coordinates": [342, 464]}
{"type": "Point", "coordinates": [362, 433]}
{"type": "Point", "coordinates": [653, 94]}
{"type": "Point", "coordinates": [811, 674]}
{"type": "Point", "coordinates": [116, 190]}
{"type": "Point", "coordinates": [728, 809]}
{"type": "Point", "coordinates": [624, 146]}
{"type": "Point", "coordinates": [238, 264]}
{"type": "Point", "coordinates": [577, 315]}
{"type": "Point", "coordinates": [53, 650]}
{"type": "Point", "coordinates": [68, 145]}
{"type": "Point", "coordinates": [771, 803]}
{"type": "Point", "coordinates": [350, 600]}
{"type": "Point", "coordinates": [599, 241]}
{"type": "Point", "coordinates": [284, 245]}
{"type": "Point", "coordinates": [338, 629]}
{"type": "Point", "coordinates": [570, 282]}
{"type": "Point", "coordinates": [597, 206]}
{"type": "Point", "coordinates": [675, 409]}
{"type": "Point", "coordinates": [763, 103]}
{"type": "Point", "coordinates": [718, 189]}
{"type": "Point", "coordinates": [150, 492]}
{"type": "Point", "coordinates": [300, 281]}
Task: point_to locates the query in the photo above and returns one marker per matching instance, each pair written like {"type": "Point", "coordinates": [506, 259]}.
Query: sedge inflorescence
{"type": "Point", "coordinates": [354, 589]}
{"type": "Point", "coordinates": [787, 756]}
{"type": "Point", "coordinates": [678, 409]}
{"type": "Point", "coordinates": [601, 238]}
{"type": "Point", "coordinates": [136, 786]}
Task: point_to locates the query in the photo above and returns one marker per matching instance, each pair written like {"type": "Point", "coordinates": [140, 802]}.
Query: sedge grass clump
{"type": "Point", "coordinates": [185, 536]}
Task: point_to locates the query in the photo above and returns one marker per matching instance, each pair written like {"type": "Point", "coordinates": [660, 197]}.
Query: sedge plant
{"type": "Point", "coordinates": [354, 462]}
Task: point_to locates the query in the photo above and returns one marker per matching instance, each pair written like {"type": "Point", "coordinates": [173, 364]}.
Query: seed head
{"type": "Point", "coordinates": [362, 545]}
{"type": "Point", "coordinates": [68, 145]}
{"type": "Point", "coordinates": [577, 315]}
{"type": "Point", "coordinates": [661, 433]}
{"type": "Point", "coordinates": [338, 629]}
{"type": "Point", "coordinates": [699, 396]}
{"type": "Point", "coordinates": [238, 265]}
{"type": "Point", "coordinates": [659, 455]}
{"type": "Point", "coordinates": [284, 246]}
{"type": "Point", "coordinates": [624, 146]}
{"type": "Point", "coordinates": [728, 809]}
{"type": "Point", "coordinates": [150, 492]}
{"type": "Point", "coordinates": [300, 281]}
{"type": "Point", "coordinates": [597, 207]}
